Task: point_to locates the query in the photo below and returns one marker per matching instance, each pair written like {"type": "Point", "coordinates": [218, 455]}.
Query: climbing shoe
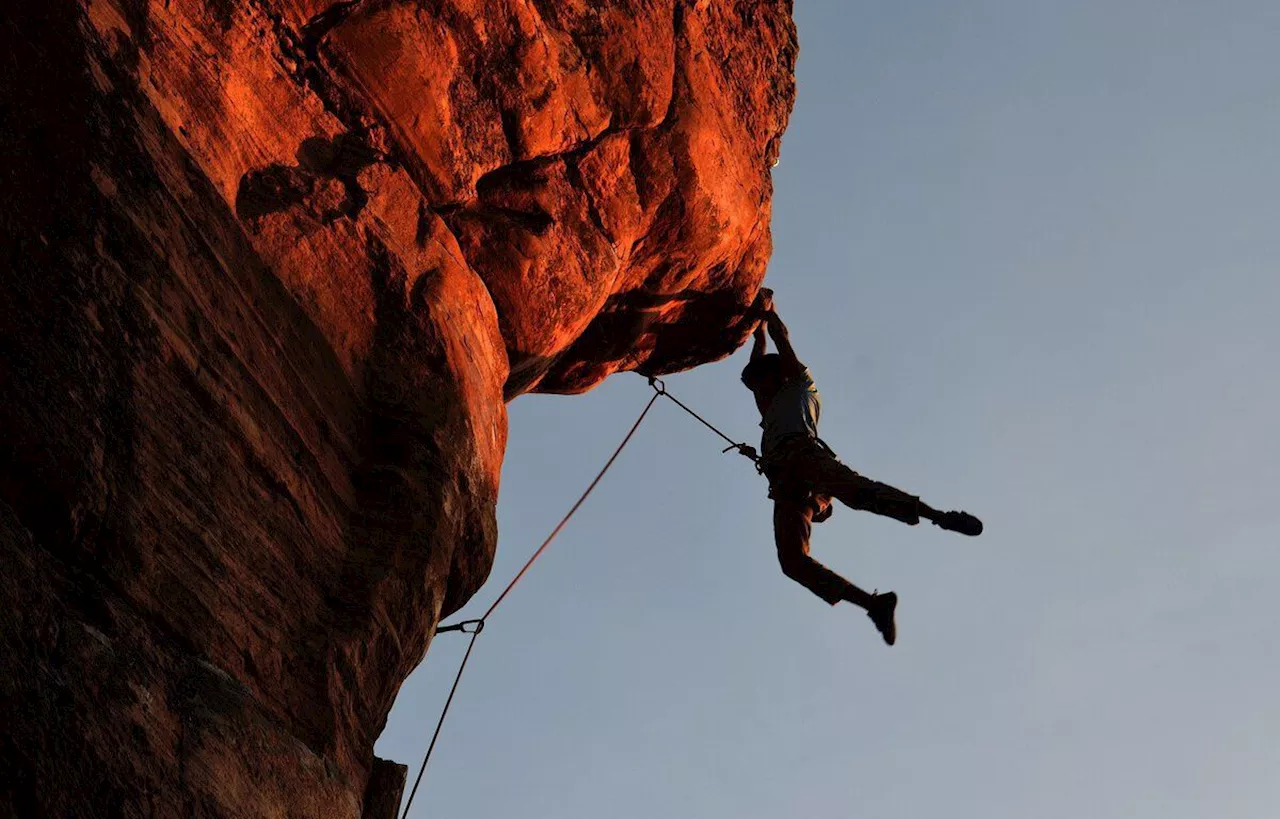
{"type": "Point", "coordinates": [962, 522]}
{"type": "Point", "coordinates": [881, 613]}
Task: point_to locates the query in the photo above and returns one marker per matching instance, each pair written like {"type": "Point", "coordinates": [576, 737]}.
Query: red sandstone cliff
{"type": "Point", "coordinates": [272, 269]}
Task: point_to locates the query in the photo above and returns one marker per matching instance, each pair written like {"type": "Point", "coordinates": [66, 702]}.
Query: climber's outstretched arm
{"type": "Point", "coordinates": [791, 364]}
{"type": "Point", "coordinates": [761, 309]}
{"type": "Point", "coordinates": [760, 345]}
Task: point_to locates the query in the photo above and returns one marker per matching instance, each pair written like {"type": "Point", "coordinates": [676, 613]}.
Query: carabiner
{"type": "Point", "coordinates": [477, 626]}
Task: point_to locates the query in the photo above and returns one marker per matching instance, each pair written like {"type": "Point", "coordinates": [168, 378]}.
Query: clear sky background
{"type": "Point", "coordinates": [1029, 250]}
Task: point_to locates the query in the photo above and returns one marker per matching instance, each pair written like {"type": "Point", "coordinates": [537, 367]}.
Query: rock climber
{"type": "Point", "coordinates": [804, 474]}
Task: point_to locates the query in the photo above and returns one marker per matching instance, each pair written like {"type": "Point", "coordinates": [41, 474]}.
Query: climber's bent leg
{"type": "Point", "coordinates": [791, 529]}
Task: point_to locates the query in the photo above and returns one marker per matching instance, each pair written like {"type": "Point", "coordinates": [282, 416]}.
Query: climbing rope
{"type": "Point", "coordinates": [476, 626]}
{"type": "Point", "coordinates": [743, 449]}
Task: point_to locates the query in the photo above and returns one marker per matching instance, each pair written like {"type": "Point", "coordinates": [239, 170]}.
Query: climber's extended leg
{"type": "Point", "coordinates": [792, 525]}
{"type": "Point", "coordinates": [828, 475]}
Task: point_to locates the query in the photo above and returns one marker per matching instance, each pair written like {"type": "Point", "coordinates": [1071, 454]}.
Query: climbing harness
{"type": "Point", "coordinates": [476, 626]}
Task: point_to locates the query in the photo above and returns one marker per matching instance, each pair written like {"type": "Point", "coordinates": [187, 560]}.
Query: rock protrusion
{"type": "Point", "coordinates": [273, 269]}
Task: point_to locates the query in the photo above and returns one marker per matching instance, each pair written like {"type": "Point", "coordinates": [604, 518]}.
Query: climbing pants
{"type": "Point", "coordinates": [803, 478]}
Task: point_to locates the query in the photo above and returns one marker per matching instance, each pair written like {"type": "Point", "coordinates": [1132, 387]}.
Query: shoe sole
{"type": "Point", "coordinates": [892, 636]}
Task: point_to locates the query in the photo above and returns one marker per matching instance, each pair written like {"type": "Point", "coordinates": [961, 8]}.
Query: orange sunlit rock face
{"type": "Point", "coordinates": [275, 267]}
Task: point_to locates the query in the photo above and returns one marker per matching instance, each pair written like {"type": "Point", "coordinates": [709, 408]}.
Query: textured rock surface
{"type": "Point", "coordinates": [272, 269]}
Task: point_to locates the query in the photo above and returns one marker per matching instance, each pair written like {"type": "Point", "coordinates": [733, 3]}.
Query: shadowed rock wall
{"type": "Point", "coordinates": [272, 270]}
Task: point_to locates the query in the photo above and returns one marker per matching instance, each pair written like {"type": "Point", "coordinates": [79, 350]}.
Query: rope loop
{"type": "Point", "coordinates": [474, 627]}
{"type": "Point", "coordinates": [477, 625]}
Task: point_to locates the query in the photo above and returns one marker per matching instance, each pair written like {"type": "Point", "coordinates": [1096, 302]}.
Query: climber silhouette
{"type": "Point", "coordinates": [804, 474]}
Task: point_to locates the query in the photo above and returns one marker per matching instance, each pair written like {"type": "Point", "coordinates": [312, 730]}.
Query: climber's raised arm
{"type": "Point", "coordinates": [791, 365]}
{"type": "Point", "coordinates": [760, 342]}
{"type": "Point", "coordinates": [761, 309]}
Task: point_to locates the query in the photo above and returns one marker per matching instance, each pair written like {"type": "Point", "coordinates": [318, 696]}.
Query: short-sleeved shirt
{"type": "Point", "coordinates": [793, 412]}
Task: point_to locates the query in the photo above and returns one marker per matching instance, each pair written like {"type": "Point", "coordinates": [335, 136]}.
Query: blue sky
{"type": "Point", "coordinates": [1029, 251]}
